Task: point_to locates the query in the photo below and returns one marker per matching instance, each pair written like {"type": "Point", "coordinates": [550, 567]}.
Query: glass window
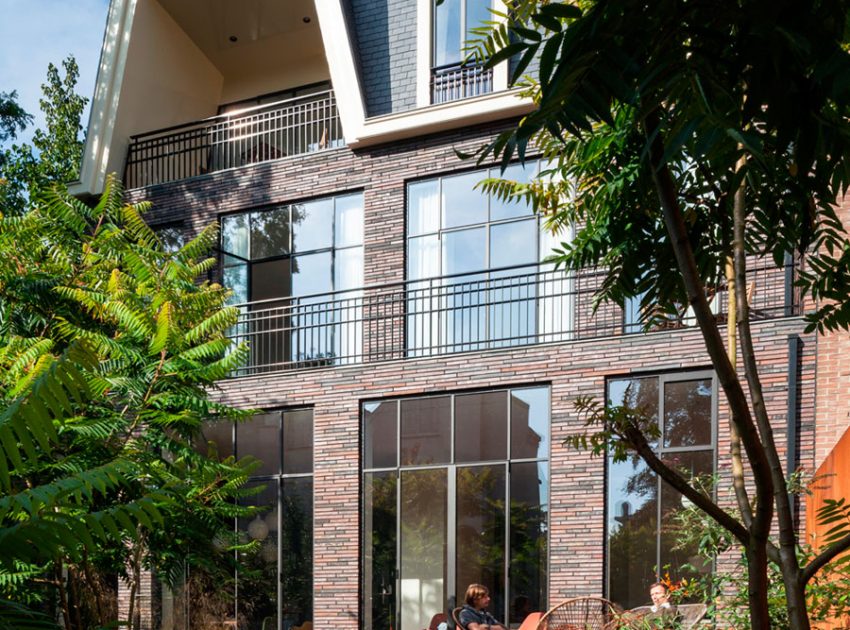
{"type": "Point", "coordinates": [641, 527]}
{"type": "Point", "coordinates": [276, 590]}
{"type": "Point", "coordinates": [437, 520]}
{"type": "Point", "coordinates": [500, 295]}
{"type": "Point", "coordinates": [453, 24]}
{"type": "Point", "coordinates": [425, 430]}
{"type": "Point", "coordinates": [481, 427]}
{"type": "Point", "coordinates": [289, 251]}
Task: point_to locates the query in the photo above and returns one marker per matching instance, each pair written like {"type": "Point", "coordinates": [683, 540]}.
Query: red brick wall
{"type": "Point", "coordinates": [577, 490]}
{"type": "Point", "coordinates": [833, 377]}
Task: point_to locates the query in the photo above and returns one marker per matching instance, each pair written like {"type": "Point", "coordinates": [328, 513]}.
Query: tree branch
{"type": "Point", "coordinates": [823, 558]}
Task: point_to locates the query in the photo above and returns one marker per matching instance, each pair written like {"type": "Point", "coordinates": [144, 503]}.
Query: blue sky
{"type": "Point", "coordinates": [34, 33]}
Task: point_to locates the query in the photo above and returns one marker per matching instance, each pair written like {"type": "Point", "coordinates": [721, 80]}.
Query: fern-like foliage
{"type": "Point", "coordinates": [109, 350]}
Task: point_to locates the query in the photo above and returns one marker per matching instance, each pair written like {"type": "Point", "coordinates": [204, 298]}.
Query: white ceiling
{"type": "Point", "coordinates": [211, 24]}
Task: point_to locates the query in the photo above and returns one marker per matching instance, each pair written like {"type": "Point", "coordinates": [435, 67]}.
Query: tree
{"type": "Point", "coordinates": [109, 347]}
{"type": "Point", "coordinates": [55, 154]}
{"type": "Point", "coordinates": [690, 138]}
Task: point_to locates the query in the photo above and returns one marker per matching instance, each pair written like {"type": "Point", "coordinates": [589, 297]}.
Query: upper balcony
{"type": "Point", "coordinates": [495, 309]}
{"type": "Point", "coordinates": [286, 127]}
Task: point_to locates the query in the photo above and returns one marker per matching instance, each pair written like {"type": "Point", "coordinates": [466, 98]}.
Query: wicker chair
{"type": "Point", "coordinates": [456, 617]}
{"type": "Point", "coordinates": [689, 614]}
{"type": "Point", "coordinates": [580, 613]}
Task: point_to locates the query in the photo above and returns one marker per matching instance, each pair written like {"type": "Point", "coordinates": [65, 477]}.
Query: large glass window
{"type": "Point", "coordinates": [300, 266]}
{"type": "Point", "coordinates": [641, 527]}
{"type": "Point", "coordinates": [455, 492]}
{"type": "Point", "coordinates": [275, 589]}
{"type": "Point", "coordinates": [474, 263]}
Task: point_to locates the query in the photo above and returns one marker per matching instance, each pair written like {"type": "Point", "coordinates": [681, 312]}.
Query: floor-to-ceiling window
{"type": "Point", "coordinates": [455, 492]}
{"type": "Point", "coordinates": [300, 266]}
{"type": "Point", "coordinates": [274, 586]}
{"type": "Point", "coordinates": [473, 262]}
{"type": "Point", "coordinates": [641, 527]}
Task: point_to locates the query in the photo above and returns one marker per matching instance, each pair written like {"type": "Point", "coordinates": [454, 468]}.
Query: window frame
{"type": "Point", "coordinates": [451, 467]}
{"type": "Point", "coordinates": [662, 378]}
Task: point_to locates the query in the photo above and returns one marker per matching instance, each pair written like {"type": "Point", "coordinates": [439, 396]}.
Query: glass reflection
{"type": "Point", "coordinates": [481, 427]}
{"type": "Point", "coordinates": [512, 207]}
{"type": "Point", "coordinates": [296, 542]}
{"type": "Point", "coordinates": [422, 546]}
{"type": "Point", "coordinates": [530, 423]}
{"type": "Point", "coordinates": [270, 233]}
{"type": "Point", "coordinates": [423, 207]}
{"type": "Point", "coordinates": [257, 581]}
{"type": "Point", "coordinates": [636, 393]}
{"type": "Point", "coordinates": [260, 437]}
{"type": "Point", "coordinates": [528, 542]}
{"type": "Point", "coordinates": [687, 413]}
{"type": "Point", "coordinates": [312, 225]}
{"type": "Point", "coordinates": [234, 235]}
{"type": "Point", "coordinates": [632, 531]}
{"type": "Point", "coordinates": [380, 432]}
{"type": "Point", "coordinates": [480, 555]}
{"type": "Point", "coordinates": [348, 221]}
{"type": "Point", "coordinates": [298, 441]}
{"type": "Point", "coordinates": [379, 550]}
{"type": "Point", "coordinates": [425, 430]}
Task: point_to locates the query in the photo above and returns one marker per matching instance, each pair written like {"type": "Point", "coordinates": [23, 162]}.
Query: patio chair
{"type": "Point", "coordinates": [580, 613]}
{"type": "Point", "coordinates": [456, 618]}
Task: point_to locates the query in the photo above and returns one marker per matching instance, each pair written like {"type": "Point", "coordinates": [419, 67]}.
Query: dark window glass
{"type": "Point", "coordinates": [687, 413]}
{"type": "Point", "coordinates": [472, 498]}
{"type": "Point", "coordinates": [423, 546]}
{"type": "Point", "coordinates": [217, 436]}
{"type": "Point", "coordinates": [296, 542]}
{"type": "Point", "coordinates": [379, 549]}
{"type": "Point", "coordinates": [480, 555]}
{"type": "Point", "coordinates": [270, 280]}
{"type": "Point", "coordinates": [257, 592]}
{"type": "Point", "coordinates": [642, 526]}
{"type": "Point", "coordinates": [529, 535]}
{"type": "Point", "coordinates": [425, 430]}
{"type": "Point", "coordinates": [481, 427]}
{"type": "Point", "coordinates": [380, 434]}
{"type": "Point", "coordinates": [298, 441]}
{"type": "Point", "coordinates": [260, 437]}
{"type": "Point", "coordinates": [530, 423]}
{"type": "Point", "coordinates": [632, 531]}
{"type": "Point", "coordinates": [270, 233]}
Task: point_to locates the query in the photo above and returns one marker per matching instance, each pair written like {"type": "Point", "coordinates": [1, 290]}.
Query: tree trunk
{"type": "Point", "coordinates": [795, 597]}
{"type": "Point", "coordinates": [758, 582]}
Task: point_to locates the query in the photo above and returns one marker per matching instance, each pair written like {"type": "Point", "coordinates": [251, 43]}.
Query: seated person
{"type": "Point", "coordinates": [662, 614]}
{"type": "Point", "coordinates": [472, 615]}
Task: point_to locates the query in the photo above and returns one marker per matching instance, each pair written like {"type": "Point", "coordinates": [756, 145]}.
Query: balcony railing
{"type": "Point", "coordinates": [500, 308]}
{"type": "Point", "coordinates": [458, 81]}
{"type": "Point", "coordinates": [257, 134]}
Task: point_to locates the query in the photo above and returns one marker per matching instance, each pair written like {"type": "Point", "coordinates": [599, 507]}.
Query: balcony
{"type": "Point", "coordinates": [501, 308]}
{"type": "Point", "coordinates": [458, 81]}
{"type": "Point", "coordinates": [294, 126]}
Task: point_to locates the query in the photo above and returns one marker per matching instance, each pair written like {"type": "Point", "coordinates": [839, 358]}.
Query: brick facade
{"type": "Point", "coordinates": [577, 492]}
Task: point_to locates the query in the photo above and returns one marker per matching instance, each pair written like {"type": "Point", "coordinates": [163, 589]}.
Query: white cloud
{"type": "Point", "coordinates": [34, 33]}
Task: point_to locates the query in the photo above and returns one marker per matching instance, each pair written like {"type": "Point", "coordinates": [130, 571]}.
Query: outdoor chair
{"type": "Point", "coordinates": [580, 613]}
{"type": "Point", "coordinates": [689, 614]}
{"type": "Point", "coordinates": [456, 617]}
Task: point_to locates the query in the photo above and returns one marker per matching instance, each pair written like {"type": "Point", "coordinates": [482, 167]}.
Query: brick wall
{"type": "Point", "coordinates": [386, 45]}
{"type": "Point", "coordinates": [833, 376]}
{"type": "Point", "coordinates": [574, 368]}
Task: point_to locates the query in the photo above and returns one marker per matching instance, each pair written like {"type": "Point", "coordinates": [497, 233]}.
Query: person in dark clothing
{"type": "Point", "coordinates": [472, 615]}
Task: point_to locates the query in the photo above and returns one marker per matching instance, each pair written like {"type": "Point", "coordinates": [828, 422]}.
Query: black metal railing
{"type": "Point", "coordinates": [501, 308]}
{"type": "Point", "coordinates": [266, 132]}
{"type": "Point", "coordinates": [457, 81]}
